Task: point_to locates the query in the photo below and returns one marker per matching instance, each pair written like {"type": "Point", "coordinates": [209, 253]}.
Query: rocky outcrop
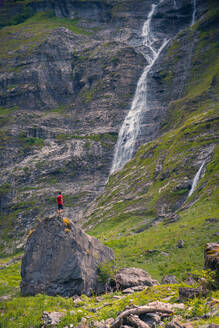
{"type": "Point", "coordinates": [211, 255]}
{"type": "Point", "coordinates": [131, 277]}
{"type": "Point", "coordinates": [186, 293]}
{"type": "Point", "coordinates": [170, 279]}
{"type": "Point", "coordinates": [60, 259]}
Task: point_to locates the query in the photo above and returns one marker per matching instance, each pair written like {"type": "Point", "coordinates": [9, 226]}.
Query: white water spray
{"type": "Point", "coordinates": [194, 11]}
{"type": "Point", "coordinates": [131, 125]}
{"type": "Point", "coordinates": [196, 179]}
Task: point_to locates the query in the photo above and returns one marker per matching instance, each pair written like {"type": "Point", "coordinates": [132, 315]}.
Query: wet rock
{"type": "Point", "coordinates": [169, 279]}
{"type": "Point", "coordinates": [62, 260]}
{"type": "Point", "coordinates": [130, 277]}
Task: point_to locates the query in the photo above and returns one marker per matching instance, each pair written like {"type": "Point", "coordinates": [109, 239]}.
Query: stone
{"type": "Point", "coordinates": [152, 319]}
{"type": "Point", "coordinates": [169, 279]}
{"type": "Point", "coordinates": [186, 293]}
{"type": "Point", "coordinates": [128, 291]}
{"type": "Point", "coordinates": [139, 288]}
{"type": "Point", "coordinates": [130, 277]}
{"type": "Point", "coordinates": [180, 243]}
{"type": "Point", "coordinates": [51, 318]}
{"type": "Point", "coordinates": [173, 324]}
{"type": "Point", "coordinates": [211, 256]}
{"type": "Point", "coordinates": [109, 321]}
{"type": "Point", "coordinates": [60, 261]}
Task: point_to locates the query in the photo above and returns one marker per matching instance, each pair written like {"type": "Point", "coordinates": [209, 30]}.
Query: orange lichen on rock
{"type": "Point", "coordinates": [30, 232]}
{"type": "Point", "coordinates": [67, 223]}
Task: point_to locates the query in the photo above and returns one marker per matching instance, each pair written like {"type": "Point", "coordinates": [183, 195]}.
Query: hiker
{"type": "Point", "coordinates": [60, 202]}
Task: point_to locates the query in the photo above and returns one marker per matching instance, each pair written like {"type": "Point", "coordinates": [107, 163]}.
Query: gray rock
{"type": "Point", "coordinates": [186, 293]}
{"type": "Point", "coordinates": [173, 324]}
{"type": "Point", "coordinates": [152, 319]}
{"type": "Point", "coordinates": [211, 255]}
{"type": "Point", "coordinates": [51, 318]}
{"type": "Point", "coordinates": [60, 260]}
{"type": "Point", "coordinates": [130, 277]}
{"type": "Point", "coordinates": [180, 243]}
{"type": "Point", "coordinates": [169, 279]}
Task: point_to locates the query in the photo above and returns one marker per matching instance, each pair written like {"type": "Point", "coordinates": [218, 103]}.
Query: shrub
{"type": "Point", "coordinates": [106, 271]}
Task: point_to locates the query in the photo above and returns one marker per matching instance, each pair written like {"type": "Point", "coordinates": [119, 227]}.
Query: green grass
{"type": "Point", "coordinates": [135, 196]}
{"type": "Point", "coordinates": [127, 204]}
{"type": "Point", "coordinates": [24, 312]}
{"type": "Point", "coordinates": [20, 40]}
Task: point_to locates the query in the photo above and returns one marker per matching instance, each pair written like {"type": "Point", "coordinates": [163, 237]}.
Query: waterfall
{"type": "Point", "coordinates": [196, 179]}
{"type": "Point", "coordinates": [194, 11]}
{"type": "Point", "coordinates": [131, 125]}
{"type": "Point", "coordinates": [174, 4]}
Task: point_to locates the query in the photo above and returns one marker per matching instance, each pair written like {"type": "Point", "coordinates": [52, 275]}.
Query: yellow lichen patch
{"type": "Point", "coordinates": [67, 223]}
{"type": "Point", "coordinates": [213, 252]}
{"type": "Point", "coordinates": [67, 230]}
{"type": "Point", "coordinates": [30, 232]}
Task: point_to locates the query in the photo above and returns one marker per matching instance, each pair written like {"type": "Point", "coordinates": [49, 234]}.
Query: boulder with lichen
{"type": "Point", "coordinates": [61, 259]}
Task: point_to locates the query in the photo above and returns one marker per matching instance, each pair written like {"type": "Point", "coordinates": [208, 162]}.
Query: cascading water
{"type": "Point", "coordinates": [196, 179]}
{"type": "Point", "coordinates": [194, 11]}
{"type": "Point", "coordinates": [131, 125]}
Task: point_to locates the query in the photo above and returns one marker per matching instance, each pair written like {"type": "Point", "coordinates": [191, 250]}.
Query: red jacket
{"type": "Point", "coordinates": [59, 200]}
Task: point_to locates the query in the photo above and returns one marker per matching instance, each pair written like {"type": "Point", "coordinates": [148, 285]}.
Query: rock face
{"type": "Point", "coordinates": [130, 277]}
{"type": "Point", "coordinates": [64, 93]}
{"type": "Point", "coordinates": [60, 259]}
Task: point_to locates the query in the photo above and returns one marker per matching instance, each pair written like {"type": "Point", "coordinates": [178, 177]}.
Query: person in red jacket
{"type": "Point", "coordinates": [60, 202]}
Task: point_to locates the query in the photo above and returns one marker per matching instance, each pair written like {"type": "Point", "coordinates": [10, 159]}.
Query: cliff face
{"type": "Point", "coordinates": [68, 73]}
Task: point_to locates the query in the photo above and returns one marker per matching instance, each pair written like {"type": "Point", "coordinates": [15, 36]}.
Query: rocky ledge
{"type": "Point", "coordinates": [60, 259]}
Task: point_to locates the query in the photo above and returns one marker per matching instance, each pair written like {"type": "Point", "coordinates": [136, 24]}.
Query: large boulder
{"type": "Point", "coordinates": [130, 277]}
{"type": "Point", "coordinates": [60, 259]}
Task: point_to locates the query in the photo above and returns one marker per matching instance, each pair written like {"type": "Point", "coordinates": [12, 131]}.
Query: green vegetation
{"type": "Point", "coordinates": [27, 311]}
{"type": "Point", "coordinates": [155, 183]}
{"type": "Point", "coordinates": [31, 33]}
{"type": "Point", "coordinates": [134, 214]}
{"type": "Point", "coordinates": [28, 143]}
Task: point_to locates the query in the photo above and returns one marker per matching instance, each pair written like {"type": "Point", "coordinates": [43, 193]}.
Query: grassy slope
{"type": "Point", "coordinates": [139, 193]}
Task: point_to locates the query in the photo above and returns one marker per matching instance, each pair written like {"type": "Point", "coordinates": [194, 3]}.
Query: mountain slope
{"type": "Point", "coordinates": [145, 209]}
{"type": "Point", "coordinates": [68, 73]}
